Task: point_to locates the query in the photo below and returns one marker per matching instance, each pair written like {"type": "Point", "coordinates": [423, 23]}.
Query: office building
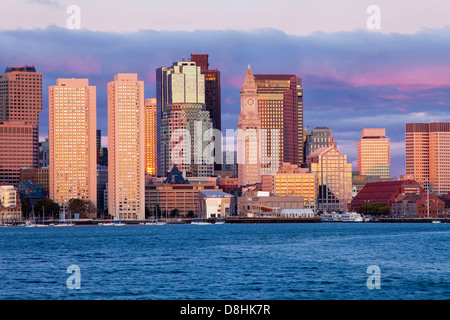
{"type": "Point", "coordinates": [374, 153]}
{"type": "Point", "coordinates": [428, 155]}
{"type": "Point", "coordinates": [317, 138]}
{"type": "Point", "coordinates": [72, 136]}
{"type": "Point", "coordinates": [334, 175]}
{"type": "Point", "coordinates": [21, 102]}
{"type": "Point", "coordinates": [290, 180]}
{"type": "Point", "coordinates": [10, 204]}
{"type": "Point", "coordinates": [44, 153]}
{"type": "Point", "coordinates": [184, 138]}
{"type": "Point", "coordinates": [16, 149]}
{"type": "Point", "coordinates": [126, 147]}
{"type": "Point", "coordinates": [182, 83]}
{"type": "Point", "coordinates": [280, 106]}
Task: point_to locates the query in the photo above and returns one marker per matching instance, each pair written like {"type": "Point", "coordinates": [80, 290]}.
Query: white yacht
{"type": "Point", "coordinates": [331, 217]}
{"type": "Point", "coordinates": [351, 217]}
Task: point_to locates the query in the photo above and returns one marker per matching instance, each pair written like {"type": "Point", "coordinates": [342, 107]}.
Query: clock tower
{"type": "Point", "coordinates": [249, 132]}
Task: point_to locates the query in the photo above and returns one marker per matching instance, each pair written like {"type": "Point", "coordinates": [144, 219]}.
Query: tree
{"type": "Point", "coordinates": [191, 214]}
{"type": "Point", "coordinates": [375, 209]}
{"type": "Point", "coordinates": [47, 207]}
{"type": "Point", "coordinates": [174, 213]}
{"type": "Point", "coordinates": [86, 207]}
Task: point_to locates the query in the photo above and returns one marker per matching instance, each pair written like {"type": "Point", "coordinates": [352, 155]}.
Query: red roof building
{"type": "Point", "coordinates": [385, 192]}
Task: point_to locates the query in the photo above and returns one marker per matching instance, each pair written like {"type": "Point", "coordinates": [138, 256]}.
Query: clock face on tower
{"type": "Point", "coordinates": [250, 101]}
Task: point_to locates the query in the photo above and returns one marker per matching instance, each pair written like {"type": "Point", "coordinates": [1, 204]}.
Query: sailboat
{"type": "Point", "coordinates": [64, 223]}
{"type": "Point", "coordinates": [42, 225]}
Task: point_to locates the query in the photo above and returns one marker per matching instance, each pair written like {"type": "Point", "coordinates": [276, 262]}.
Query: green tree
{"type": "Point", "coordinates": [374, 209]}
{"type": "Point", "coordinates": [87, 207]}
{"type": "Point", "coordinates": [174, 213]}
{"type": "Point", "coordinates": [47, 207]}
{"type": "Point", "coordinates": [191, 214]}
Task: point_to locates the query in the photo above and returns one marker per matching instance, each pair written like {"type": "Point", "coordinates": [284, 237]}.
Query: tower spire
{"type": "Point", "coordinates": [249, 81]}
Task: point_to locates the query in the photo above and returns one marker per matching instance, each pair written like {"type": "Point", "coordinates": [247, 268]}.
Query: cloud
{"type": "Point", "coordinates": [351, 80]}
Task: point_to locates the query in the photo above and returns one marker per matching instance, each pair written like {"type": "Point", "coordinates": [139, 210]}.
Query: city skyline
{"type": "Point", "coordinates": [352, 77]}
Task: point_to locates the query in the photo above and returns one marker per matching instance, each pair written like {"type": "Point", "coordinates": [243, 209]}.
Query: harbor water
{"type": "Point", "coordinates": [319, 261]}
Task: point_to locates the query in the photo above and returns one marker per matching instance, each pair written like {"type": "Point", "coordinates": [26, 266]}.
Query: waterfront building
{"type": "Point", "coordinates": [385, 192]}
{"type": "Point", "coordinates": [151, 137]}
{"type": "Point", "coordinates": [317, 138]}
{"type": "Point", "coordinates": [176, 193]}
{"type": "Point", "coordinates": [21, 103]}
{"type": "Point", "coordinates": [290, 180]}
{"type": "Point", "coordinates": [428, 155]}
{"type": "Point", "coordinates": [374, 153]}
{"type": "Point", "coordinates": [126, 147]}
{"type": "Point", "coordinates": [39, 176]}
{"type": "Point", "coordinates": [249, 128]}
{"type": "Point", "coordinates": [334, 176]}
{"type": "Point", "coordinates": [10, 204]}
{"type": "Point", "coordinates": [215, 204]}
{"type": "Point", "coordinates": [72, 136]}
{"type": "Point", "coordinates": [280, 107]}
{"type": "Point", "coordinates": [417, 206]}
{"type": "Point", "coordinates": [259, 203]}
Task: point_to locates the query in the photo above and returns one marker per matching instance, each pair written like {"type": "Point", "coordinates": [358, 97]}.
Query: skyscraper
{"type": "Point", "coordinates": [212, 88]}
{"type": "Point", "coordinates": [72, 137]}
{"type": "Point", "coordinates": [182, 83]}
{"type": "Point", "coordinates": [280, 106]}
{"type": "Point", "coordinates": [212, 94]}
{"type": "Point", "coordinates": [249, 129]}
{"type": "Point", "coordinates": [184, 139]}
{"type": "Point", "coordinates": [428, 155]}
{"type": "Point", "coordinates": [374, 153]}
{"type": "Point", "coordinates": [20, 101]}
{"type": "Point", "coordinates": [16, 149]}
{"type": "Point", "coordinates": [151, 137]}
{"type": "Point", "coordinates": [126, 147]}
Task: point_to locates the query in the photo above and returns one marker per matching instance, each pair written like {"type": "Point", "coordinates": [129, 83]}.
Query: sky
{"type": "Point", "coordinates": [354, 76]}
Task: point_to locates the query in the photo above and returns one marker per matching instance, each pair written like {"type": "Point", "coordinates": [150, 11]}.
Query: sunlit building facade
{"type": "Point", "coordinates": [181, 83]}
{"type": "Point", "coordinates": [374, 153]}
{"type": "Point", "coordinates": [184, 138]}
{"type": "Point", "coordinates": [428, 155]}
{"type": "Point", "coordinates": [249, 128]}
{"type": "Point", "coordinates": [151, 137]}
{"type": "Point", "coordinates": [72, 138]}
{"type": "Point", "coordinates": [20, 103]}
{"type": "Point", "coordinates": [290, 180]}
{"type": "Point", "coordinates": [126, 147]}
{"type": "Point", "coordinates": [334, 176]}
{"type": "Point", "coordinates": [280, 106]}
